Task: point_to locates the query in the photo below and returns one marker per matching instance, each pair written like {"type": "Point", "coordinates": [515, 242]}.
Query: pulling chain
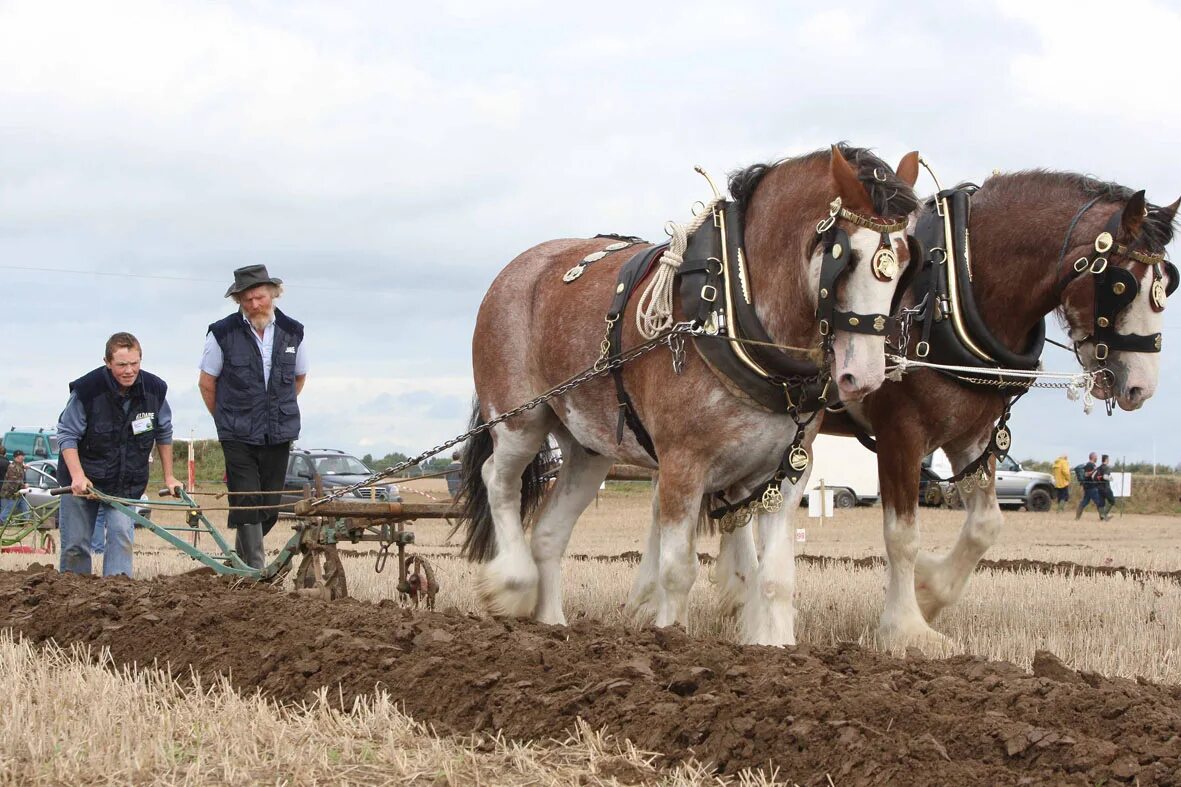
{"type": "Point", "coordinates": [600, 367]}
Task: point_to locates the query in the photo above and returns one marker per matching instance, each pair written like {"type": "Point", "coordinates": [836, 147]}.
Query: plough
{"type": "Point", "coordinates": [320, 527]}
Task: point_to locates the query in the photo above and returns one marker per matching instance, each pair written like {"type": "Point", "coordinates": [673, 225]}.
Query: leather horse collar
{"type": "Point", "coordinates": [953, 332]}
{"type": "Point", "coordinates": [1116, 288]}
{"type": "Point", "coordinates": [716, 292]}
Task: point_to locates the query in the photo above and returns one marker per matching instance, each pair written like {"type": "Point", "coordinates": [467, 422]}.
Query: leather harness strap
{"type": "Point", "coordinates": [630, 275]}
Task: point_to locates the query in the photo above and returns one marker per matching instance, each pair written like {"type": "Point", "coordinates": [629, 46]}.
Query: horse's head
{"type": "Point", "coordinates": [864, 241]}
{"type": "Point", "coordinates": [1114, 301]}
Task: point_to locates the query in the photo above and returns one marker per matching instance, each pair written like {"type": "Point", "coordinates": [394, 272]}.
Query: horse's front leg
{"type": "Point", "coordinates": [940, 581]}
{"type": "Point", "coordinates": [738, 560]}
{"type": "Point", "coordinates": [644, 599]}
{"type": "Point", "coordinates": [768, 613]}
{"type": "Point", "coordinates": [902, 623]}
{"type": "Point", "coordinates": [679, 498]}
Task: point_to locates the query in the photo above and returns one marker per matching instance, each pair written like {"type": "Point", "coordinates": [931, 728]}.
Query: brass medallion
{"type": "Point", "coordinates": [879, 323]}
{"type": "Point", "coordinates": [772, 500]}
{"type": "Point", "coordinates": [1159, 296]}
{"type": "Point", "coordinates": [617, 246]}
{"type": "Point", "coordinates": [573, 273]}
{"type": "Point", "coordinates": [594, 256]}
{"type": "Point", "coordinates": [1157, 343]}
{"type": "Point", "coordinates": [1103, 242]}
{"type": "Point", "coordinates": [1003, 439]}
{"type": "Point", "coordinates": [798, 460]}
{"type": "Point", "coordinates": [885, 264]}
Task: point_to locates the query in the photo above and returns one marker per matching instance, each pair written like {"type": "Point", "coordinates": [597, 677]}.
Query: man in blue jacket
{"type": "Point", "coordinates": [114, 415]}
{"type": "Point", "coordinates": [252, 370]}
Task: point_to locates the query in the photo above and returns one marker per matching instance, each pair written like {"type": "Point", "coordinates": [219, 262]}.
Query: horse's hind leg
{"type": "Point", "coordinates": [507, 584]}
{"type": "Point", "coordinates": [578, 481]}
{"type": "Point", "coordinates": [940, 581]}
{"type": "Point", "coordinates": [644, 599]}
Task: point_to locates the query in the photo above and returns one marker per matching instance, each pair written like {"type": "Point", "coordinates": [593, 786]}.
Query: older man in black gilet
{"type": "Point", "coordinates": [252, 370]}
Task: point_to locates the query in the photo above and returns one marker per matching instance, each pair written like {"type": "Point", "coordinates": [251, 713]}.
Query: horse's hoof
{"type": "Point", "coordinates": [898, 639]}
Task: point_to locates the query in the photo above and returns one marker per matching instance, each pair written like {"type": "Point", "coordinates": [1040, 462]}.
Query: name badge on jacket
{"type": "Point", "coordinates": [142, 423]}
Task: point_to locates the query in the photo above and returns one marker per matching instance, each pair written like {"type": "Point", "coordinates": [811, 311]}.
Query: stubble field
{"type": "Point", "coordinates": [832, 708]}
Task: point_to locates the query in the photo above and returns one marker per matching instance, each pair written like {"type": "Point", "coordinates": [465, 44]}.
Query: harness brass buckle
{"type": "Point", "coordinates": [713, 293]}
{"type": "Point", "coordinates": [922, 349]}
{"type": "Point", "coordinates": [1101, 351]}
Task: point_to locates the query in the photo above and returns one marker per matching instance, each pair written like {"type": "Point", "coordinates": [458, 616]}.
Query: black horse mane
{"type": "Point", "coordinates": [890, 195]}
{"type": "Point", "coordinates": [1157, 230]}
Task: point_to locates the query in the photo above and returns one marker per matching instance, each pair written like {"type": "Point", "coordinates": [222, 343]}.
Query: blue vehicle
{"type": "Point", "coordinates": [37, 443]}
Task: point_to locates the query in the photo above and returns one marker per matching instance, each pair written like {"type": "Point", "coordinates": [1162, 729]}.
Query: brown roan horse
{"type": "Point", "coordinates": [1026, 230]}
{"type": "Point", "coordinates": [535, 330]}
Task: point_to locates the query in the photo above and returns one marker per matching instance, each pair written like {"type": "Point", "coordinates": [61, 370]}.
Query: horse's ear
{"type": "Point", "coordinates": [1169, 212]}
{"type": "Point", "coordinates": [849, 187]}
{"type": "Point", "coordinates": [1134, 213]}
{"type": "Point", "coordinates": [908, 168]}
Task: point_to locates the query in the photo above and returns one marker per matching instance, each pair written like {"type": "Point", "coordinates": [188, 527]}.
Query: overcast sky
{"type": "Point", "coordinates": [388, 160]}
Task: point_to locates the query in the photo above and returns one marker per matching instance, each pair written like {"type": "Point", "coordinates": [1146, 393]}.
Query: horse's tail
{"type": "Point", "coordinates": [479, 540]}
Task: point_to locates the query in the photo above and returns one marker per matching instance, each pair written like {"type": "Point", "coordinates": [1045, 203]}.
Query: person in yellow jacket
{"type": "Point", "coordinates": [1061, 472]}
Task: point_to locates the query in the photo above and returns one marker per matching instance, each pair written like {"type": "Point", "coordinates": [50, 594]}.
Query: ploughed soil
{"type": "Point", "coordinates": [855, 715]}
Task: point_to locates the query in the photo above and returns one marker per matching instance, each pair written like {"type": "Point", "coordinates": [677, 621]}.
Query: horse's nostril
{"type": "Point", "coordinates": [1136, 393]}
{"type": "Point", "coordinates": [847, 381]}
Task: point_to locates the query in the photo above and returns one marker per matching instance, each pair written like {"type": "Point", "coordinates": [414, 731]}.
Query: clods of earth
{"type": "Point", "coordinates": [847, 713]}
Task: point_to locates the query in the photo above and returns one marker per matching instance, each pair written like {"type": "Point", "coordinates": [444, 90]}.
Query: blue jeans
{"type": "Point", "coordinates": [77, 517]}
{"type": "Point", "coordinates": [98, 544]}
{"type": "Point", "coordinates": [10, 504]}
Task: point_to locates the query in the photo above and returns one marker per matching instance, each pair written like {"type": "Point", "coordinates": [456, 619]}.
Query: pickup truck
{"type": "Point", "coordinates": [37, 443]}
{"type": "Point", "coordinates": [1015, 486]}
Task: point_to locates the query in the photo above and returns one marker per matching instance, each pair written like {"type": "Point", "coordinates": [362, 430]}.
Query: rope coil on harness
{"type": "Point", "coordinates": [654, 310]}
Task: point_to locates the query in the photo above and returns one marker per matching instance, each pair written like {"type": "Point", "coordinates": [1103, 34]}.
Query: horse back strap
{"type": "Point", "coordinates": [630, 275]}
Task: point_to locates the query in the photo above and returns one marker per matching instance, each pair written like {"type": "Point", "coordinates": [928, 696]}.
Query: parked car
{"type": "Point", "coordinates": [331, 468]}
{"type": "Point", "coordinates": [37, 443]}
{"type": "Point", "coordinates": [1015, 486]}
{"type": "Point", "coordinates": [41, 476]}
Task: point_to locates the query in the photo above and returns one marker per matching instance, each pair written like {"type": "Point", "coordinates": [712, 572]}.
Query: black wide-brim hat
{"type": "Point", "coordinates": [250, 276]}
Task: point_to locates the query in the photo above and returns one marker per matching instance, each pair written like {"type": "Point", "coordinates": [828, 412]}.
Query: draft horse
{"type": "Point", "coordinates": [1040, 242]}
{"type": "Point", "coordinates": [542, 321]}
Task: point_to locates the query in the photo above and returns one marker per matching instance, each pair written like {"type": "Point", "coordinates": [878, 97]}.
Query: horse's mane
{"type": "Point", "coordinates": [891, 196]}
{"type": "Point", "coordinates": [1156, 232]}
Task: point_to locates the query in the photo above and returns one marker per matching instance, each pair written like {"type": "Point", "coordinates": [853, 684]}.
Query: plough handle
{"type": "Point", "coordinates": [61, 490]}
{"type": "Point", "coordinates": [166, 492]}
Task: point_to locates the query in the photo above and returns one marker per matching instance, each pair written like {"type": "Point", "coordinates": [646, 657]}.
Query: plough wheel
{"type": "Point", "coordinates": [420, 581]}
{"type": "Point", "coordinates": [321, 574]}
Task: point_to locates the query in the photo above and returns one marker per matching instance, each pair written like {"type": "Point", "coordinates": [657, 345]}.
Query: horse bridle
{"type": "Point", "coordinates": [1116, 288]}
{"type": "Point", "coordinates": [837, 255]}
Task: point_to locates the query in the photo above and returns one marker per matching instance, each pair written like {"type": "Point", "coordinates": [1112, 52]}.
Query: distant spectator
{"type": "Point", "coordinates": [10, 490]}
{"type": "Point", "coordinates": [1103, 482]}
{"type": "Point", "coordinates": [1061, 472]}
{"type": "Point", "coordinates": [1091, 491]}
{"type": "Point", "coordinates": [454, 475]}
{"type": "Point", "coordinates": [3, 461]}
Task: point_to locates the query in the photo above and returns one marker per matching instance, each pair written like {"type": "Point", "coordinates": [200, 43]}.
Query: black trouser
{"type": "Point", "coordinates": [253, 468]}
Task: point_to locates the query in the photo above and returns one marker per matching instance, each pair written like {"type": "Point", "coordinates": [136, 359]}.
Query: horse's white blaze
{"type": "Point", "coordinates": [940, 581]}
{"type": "Point", "coordinates": [1137, 373]}
{"type": "Point", "coordinates": [859, 364]}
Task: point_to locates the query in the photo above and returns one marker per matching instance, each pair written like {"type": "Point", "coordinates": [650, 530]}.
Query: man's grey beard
{"type": "Point", "coordinates": [261, 321]}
